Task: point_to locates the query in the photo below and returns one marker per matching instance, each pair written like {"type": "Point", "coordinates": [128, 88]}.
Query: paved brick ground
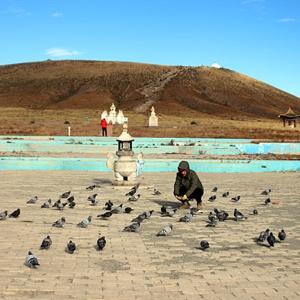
{"type": "Point", "coordinates": [141, 265]}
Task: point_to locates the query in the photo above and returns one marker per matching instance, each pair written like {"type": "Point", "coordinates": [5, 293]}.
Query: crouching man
{"type": "Point", "coordinates": [187, 186]}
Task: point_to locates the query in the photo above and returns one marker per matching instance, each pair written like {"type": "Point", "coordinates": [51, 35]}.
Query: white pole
{"type": "Point", "coordinates": [69, 130]}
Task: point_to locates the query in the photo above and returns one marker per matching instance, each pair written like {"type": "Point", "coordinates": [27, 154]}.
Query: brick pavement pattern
{"type": "Point", "coordinates": [142, 265]}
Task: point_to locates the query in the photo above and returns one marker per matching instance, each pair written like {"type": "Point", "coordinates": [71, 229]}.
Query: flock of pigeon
{"type": "Point", "coordinates": [214, 217]}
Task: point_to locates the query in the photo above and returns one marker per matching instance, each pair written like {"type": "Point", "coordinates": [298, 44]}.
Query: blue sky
{"type": "Point", "coordinates": [259, 38]}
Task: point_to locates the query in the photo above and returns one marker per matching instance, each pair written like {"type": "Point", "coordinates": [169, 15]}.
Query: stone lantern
{"type": "Point", "coordinates": [125, 166]}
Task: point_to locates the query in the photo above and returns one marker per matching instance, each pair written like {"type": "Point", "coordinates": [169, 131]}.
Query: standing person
{"type": "Point", "coordinates": [187, 186]}
{"type": "Point", "coordinates": [104, 127]}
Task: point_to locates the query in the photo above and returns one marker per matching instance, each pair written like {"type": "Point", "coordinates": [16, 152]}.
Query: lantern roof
{"type": "Point", "coordinates": [125, 136]}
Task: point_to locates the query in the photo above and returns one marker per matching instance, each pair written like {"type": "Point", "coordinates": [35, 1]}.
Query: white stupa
{"type": "Point", "coordinates": [216, 65]}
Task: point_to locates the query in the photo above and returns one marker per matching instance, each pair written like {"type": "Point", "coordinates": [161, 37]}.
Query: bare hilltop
{"type": "Point", "coordinates": [195, 93]}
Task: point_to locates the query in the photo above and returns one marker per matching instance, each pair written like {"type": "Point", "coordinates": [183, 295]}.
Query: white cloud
{"type": "Point", "coordinates": [216, 65]}
{"type": "Point", "coordinates": [286, 20]}
{"type": "Point", "coordinates": [59, 52]}
{"type": "Point", "coordinates": [57, 14]}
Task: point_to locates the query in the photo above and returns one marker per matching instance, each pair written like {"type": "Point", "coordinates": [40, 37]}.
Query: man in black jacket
{"type": "Point", "coordinates": [187, 186]}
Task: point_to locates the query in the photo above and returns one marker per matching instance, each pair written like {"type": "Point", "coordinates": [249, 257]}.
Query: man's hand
{"type": "Point", "coordinates": [184, 197]}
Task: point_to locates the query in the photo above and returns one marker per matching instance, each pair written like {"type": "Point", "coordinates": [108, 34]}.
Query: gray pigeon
{"type": "Point", "coordinates": [105, 215]}
{"type": "Point", "coordinates": [128, 210]}
{"type": "Point", "coordinates": [65, 195]}
{"type": "Point", "coordinates": [236, 198]}
{"type": "Point", "coordinates": [133, 190]}
{"type": "Point", "coordinates": [46, 243]}
{"type": "Point", "coordinates": [59, 223]}
{"type": "Point", "coordinates": [255, 212]}
{"type": "Point", "coordinates": [212, 198]}
{"type": "Point", "coordinates": [134, 198]}
{"type": "Point", "coordinates": [108, 205]}
{"type": "Point", "coordinates": [84, 223]}
{"type": "Point", "coordinates": [72, 204]}
{"type": "Point", "coordinates": [91, 187]}
{"type": "Point", "coordinates": [165, 231]}
{"type": "Point", "coordinates": [266, 192]}
{"type": "Point", "coordinates": [263, 235]}
{"type": "Point", "coordinates": [267, 201]}
{"type": "Point", "coordinates": [214, 189]}
{"type": "Point", "coordinates": [271, 239]}
{"type": "Point", "coordinates": [33, 200]}
{"type": "Point", "coordinates": [118, 209]}
{"type": "Point", "coordinates": [3, 215]}
{"type": "Point", "coordinates": [282, 235]}
{"type": "Point", "coordinates": [212, 219]}
{"type": "Point", "coordinates": [204, 245]}
{"type": "Point", "coordinates": [46, 204]}
{"type": "Point", "coordinates": [71, 247]}
{"type": "Point", "coordinates": [133, 227]}
{"type": "Point", "coordinates": [226, 194]}
{"type": "Point", "coordinates": [92, 199]}
{"type": "Point", "coordinates": [222, 215]}
{"type": "Point", "coordinates": [169, 213]}
{"type": "Point", "coordinates": [156, 192]}
{"type": "Point", "coordinates": [238, 215]}
{"type": "Point", "coordinates": [15, 213]}
{"type": "Point", "coordinates": [31, 260]}
{"type": "Point", "coordinates": [186, 218]}
{"type": "Point", "coordinates": [60, 205]}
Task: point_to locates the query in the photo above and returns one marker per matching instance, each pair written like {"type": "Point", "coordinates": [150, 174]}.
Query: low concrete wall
{"type": "Point", "coordinates": [157, 165]}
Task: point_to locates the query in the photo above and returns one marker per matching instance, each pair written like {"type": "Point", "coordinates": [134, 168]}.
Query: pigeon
{"type": "Point", "coordinates": [271, 239]}
{"type": "Point", "coordinates": [105, 215]}
{"type": "Point", "coordinates": [46, 243]}
{"type": "Point", "coordinates": [267, 201]}
{"type": "Point", "coordinates": [128, 210]}
{"type": "Point", "coordinates": [60, 205]}
{"type": "Point", "coordinates": [255, 212]}
{"type": "Point", "coordinates": [91, 187]}
{"type": "Point", "coordinates": [3, 215]}
{"type": "Point", "coordinates": [282, 235]}
{"type": "Point", "coordinates": [165, 231]}
{"type": "Point", "coordinates": [148, 214]}
{"type": "Point", "coordinates": [65, 195]}
{"type": "Point", "coordinates": [212, 219]}
{"type": "Point", "coordinates": [31, 260]}
{"type": "Point", "coordinates": [33, 200]}
{"type": "Point", "coordinates": [186, 218]}
{"type": "Point", "coordinates": [133, 227]}
{"type": "Point", "coordinates": [101, 242]}
{"type": "Point", "coordinates": [56, 203]}
{"type": "Point", "coordinates": [169, 213]}
{"type": "Point", "coordinates": [214, 189]}
{"type": "Point", "coordinates": [163, 209]}
{"type": "Point", "coordinates": [15, 214]}
{"type": "Point", "coordinates": [134, 198]}
{"type": "Point", "coordinates": [194, 210]}
{"type": "Point", "coordinates": [117, 210]}
{"type": "Point", "coordinates": [156, 192]}
{"type": "Point", "coordinates": [204, 245]}
{"type": "Point", "coordinates": [266, 192]}
{"type": "Point", "coordinates": [71, 199]}
{"type": "Point", "coordinates": [71, 247]}
{"type": "Point", "coordinates": [263, 235]}
{"type": "Point", "coordinates": [212, 198]}
{"type": "Point", "coordinates": [108, 205]}
{"type": "Point", "coordinates": [236, 199]}
{"type": "Point", "coordinates": [238, 215]}
{"type": "Point", "coordinates": [46, 204]}
{"type": "Point", "coordinates": [72, 204]}
{"type": "Point", "coordinates": [226, 194]}
{"type": "Point", "coordinates": [92, 199]}
{"type": "Point", "coordinates": [85, 222]}
{"type": "Point", "coordinates": [133, 190]}
{"type": "Point", "coordinates": [59, 223]}
{"type": "Point", "coordinates": [222, 215]}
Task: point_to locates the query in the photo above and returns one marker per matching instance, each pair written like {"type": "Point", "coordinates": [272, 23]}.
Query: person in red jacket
{"type": "Point", "coordinates": [104, 127]}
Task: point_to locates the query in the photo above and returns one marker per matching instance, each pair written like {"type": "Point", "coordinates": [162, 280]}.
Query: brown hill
{"type": "Point", "coordinates": [135, 87]}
